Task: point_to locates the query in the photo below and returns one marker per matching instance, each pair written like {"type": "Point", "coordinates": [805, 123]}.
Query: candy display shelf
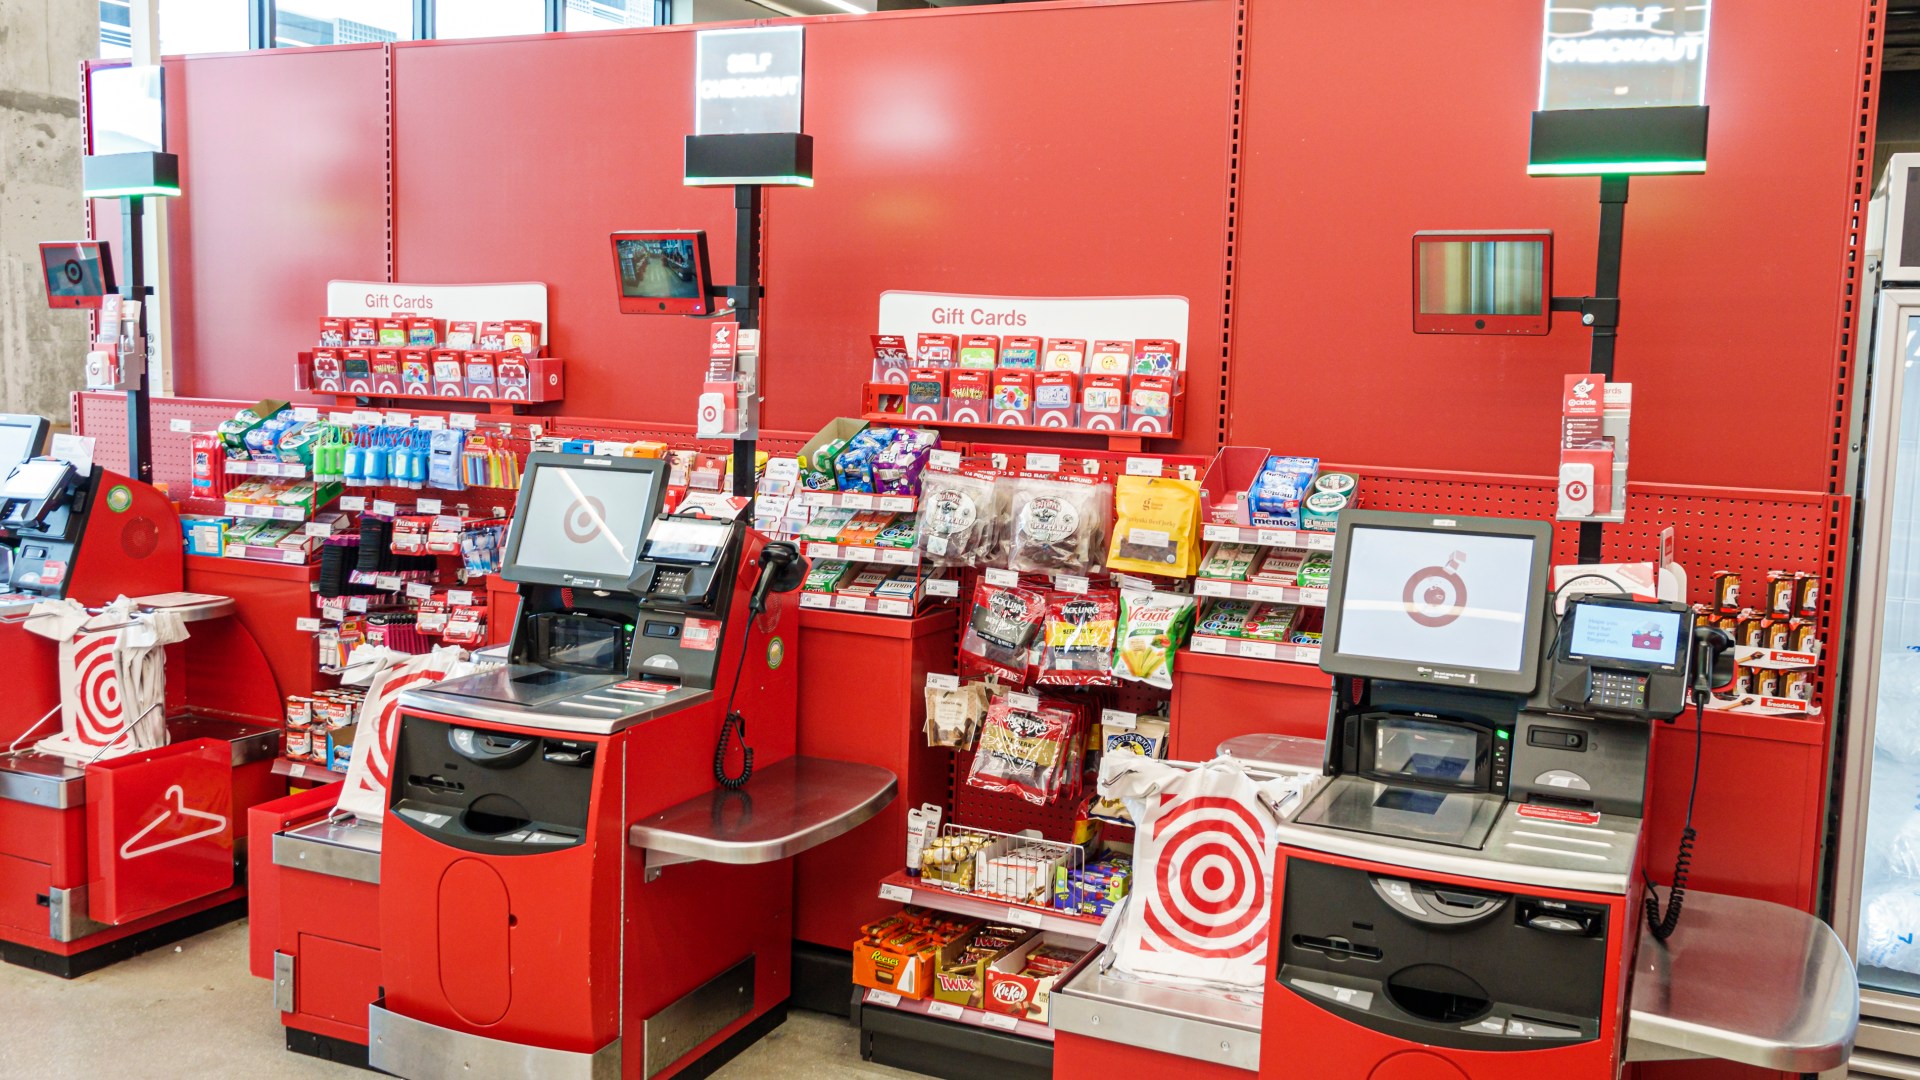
{"type": "Point", "coordinates": [863, 553]}
{"type": "Point", "coordinates": [959, 1014]}
{"type": "Point", "coordinates": [1305, 540]}
{"type": "Point", "coordinates": [1284, 652]}
{"type": "Point", "coordinates": [910, 890]}
{"type": "Point", "coordinates": [855, 500]}
{"type": "Point", "coordinates": [1273, 594]}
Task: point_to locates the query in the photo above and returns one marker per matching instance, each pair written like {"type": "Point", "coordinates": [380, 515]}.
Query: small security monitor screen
{"type": "Point", "coordinates": [1448, 601]}
{"type": "Point", "coordinates": [78, 274]}
{"type": "Point", "coordinates": [580, 520]}
{"type": "Point", "coordinates": [662, 273]}
{"type": "Point", "coordinates": [1637, 635]}
{"type": "Point", "coordinates": [1482, 283]}
{"type": "Point", "coordinates": [21, 437]}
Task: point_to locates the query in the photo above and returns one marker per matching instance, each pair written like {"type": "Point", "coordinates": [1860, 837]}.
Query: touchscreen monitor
{"type": "Point", "coordinates": [663, 273]}
{"type": "Point", "coordinates": [1482, 282]}
{"type": "Point", "coordinates": [78, 273]}
{"type": "Point", "coordinates": [580, 520]}
{"type": "Point", "coordinates": [1443, 600]}
{"type": "Point", "coordinates": [1640, 635]}
{"type": "Point", "coordinates": [21, 437]}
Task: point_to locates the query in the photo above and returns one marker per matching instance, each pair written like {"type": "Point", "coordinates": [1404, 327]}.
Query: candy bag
{"type": "Point", "coordinates": [1155, 530]}
{"type": "Point", "coordinates": [1077, 640]}
{"type": "Point", "coordinates": [1058, 527]}
{"type": "Point", "coordinates": [1001, 631]}
{"type": "Point", "coordinates": [958, 518]}
{"type": "Point", "coordinates": [1152, 628]}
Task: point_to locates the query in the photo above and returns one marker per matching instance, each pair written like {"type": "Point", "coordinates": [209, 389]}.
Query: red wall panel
{"type": "Point", "coordinates": [1364, 122]}
{"type": "Point", "coordinates": [283, 187]}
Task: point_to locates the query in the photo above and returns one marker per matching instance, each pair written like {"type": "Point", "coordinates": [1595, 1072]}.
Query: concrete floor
{"type": "Point", "coordinates": [192, 1011]}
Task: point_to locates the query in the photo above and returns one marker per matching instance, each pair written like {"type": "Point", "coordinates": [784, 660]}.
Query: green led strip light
{"type": "Point", "coordinates": [121, 192]}
{"type": "Point", "coordinates": [1603, 168]}
{"type": "Point", "coordinates": [771, 181]}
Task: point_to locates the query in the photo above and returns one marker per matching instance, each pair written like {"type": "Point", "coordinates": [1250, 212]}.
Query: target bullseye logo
{"type": "Point", "coordinates": [1576, 490]}
{"type": "Point", "coordinates": [1206, 893]}
{"type": "Point", "coordinates": [72, 271]}
{"type": "Point", "coordinates": [1435, 595]}
{"type": "Point", "coordinates": [583, 519]}
{"type": "Point", "coordinates": [102, 713]}
{"type": "Point", "coordinates": [387, 730]}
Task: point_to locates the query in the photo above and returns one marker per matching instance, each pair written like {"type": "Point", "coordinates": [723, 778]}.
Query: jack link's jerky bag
{"type": "Point", "coordinates": [1002, 631]}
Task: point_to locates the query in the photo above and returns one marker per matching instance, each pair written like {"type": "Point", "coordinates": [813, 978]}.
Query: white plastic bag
{"type": "Point", "coordinates": [1890, 928]}
{"type": "Point", "coordinates": [370, 770]}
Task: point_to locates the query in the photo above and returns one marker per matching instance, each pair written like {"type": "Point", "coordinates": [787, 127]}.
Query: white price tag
{"type": "Point", "coordinates": [999, 575]}
{"type": "Point", "coordinates": [367, 416]}
{"type": "Point", "coordinates": [387, 582]}
{"type": "Point", "coordinates": [1143, 466]}
{"type": "Point", "coordinates": [943, 587]}
{"type": "Point", "coordinates": [899, 893]}
{"type": "Point", "coordinates": [942, 681]}
{"type": "Point", "coordinates": [1214, 645]}
{"type": "Point", "coordinates": [460, 598]}
{"type": "Point", "coordinates": [461, 420]}
{"type": "Point", "coordinates": [1023, 916]}
{"type": "Point", "coordinates": [1000, 1020]}
{"type": "Point", "coordinates": [1273, 537]}
{"type": "Point", "coordinates": [1028, 702]}
{"type": "Point", "coordinates": [1272, 594]}
{"type": "Point", "coordinates": [897, 556]}
{"type": "Point", "coordinates": [945, 1009]}
{"type": "Point", "coordinates": [357, 603]}
{"type": "Point", "coordinates": [353, 502]}
{"type": "Point", "coordinates": [430, 423]}
{"type": "Point", "coordinates": [340, 419]}
{"type": "Point", "coordinates": [333, 609]}
{"type": "Point", "coordinates": [896, 503]}
{"type": "Point", "coordinates": [1227, 533]}
{"type": "Point", "coordinates": [936, 545]}
{"type": "Point", "coordinates": [944, 459]}
{"type": "Point", "coordinates": [1210, 587]}
{"type": "Point", "coordinates": [310, 626]}
{"type": "Point", "coordinates": [1259, 650]}
{"type": "Point", "coordinates": [1119, 718]}
{"type": "Point", "coordinates": [306, 414]}
{"type": "Point", "coordinates": [180, 424]}
{"type": "Point", "coordinates": [1071, 583]}
{"type": "Point", "coordinates": [815, 600]}
{"type": "Point", "coordinates": [1043, 462]}
{"type": "Point", "coordinates": [816, 498]}
{"type": "Point", "coordinates": [856, 500]}
{"type": "Point", "coordinates": [894, 607]}
{"type": "Point", "coordinates": [883, 997]}
{"type": "Point", "coordinates": [420, 590]}
{"type": "Point", "coordinates": [1313, 597]}
{"type": "Point", "coordinates": [384, 506]}
{"type": "Point", "coordinates": [1130, 583]}
{"type": "Point", "coordinates": [426, 506]}
{"type": "Point", "coordinates": [850, 603]}
{"type": "Point", "coordinates": [314, 528]}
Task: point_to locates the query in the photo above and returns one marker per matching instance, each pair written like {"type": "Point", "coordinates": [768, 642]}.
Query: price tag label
{"type": "Point", "coordinates": [900, 893]}
{"type": "Point", "coordinates": [1220, 532]}
{"type": "Point", "coordinates": [1273, 537]}
{"type": "Point", "coordinates": [997, 575]}
{"type": "Point", "coordinates": [945, 1009]}
{"type": "Point", "coordinates": [384, 506]}
{"type": "Point", "coordinates": [310, 626]}
{"type": "Point", "coordinates": [1130, 583]}
{"type": "Point", "coordinates": [1023, 916]}
{"type": "Point", "coordinates": [1273, 594]}
{"type": "Point", "coordinates": [816, 498]}
{"type": "Point", "coordinates": [461, 420]}
{"type": "Point", "coordinates": [1210, 587]}
{"type": "Point", "coordinates": [1313, 597]}
{"type": "Point", "coordinates": [180, 424]}
{"type": "Point", "coordinates": [1119, 718]}
{"type": "Point", "coordinates": [333, 609]}
{"type": "Point", "coordinates": [315, 528]}
{"type": "Point", "coordinates": [894, 607]}
{"type": "Point", "coordinates": [460, 597]}
{"type": "Point", "coordinates": [815, 600]}
{"type": "Point", "coordinates": [941, 681]}
{"type": "Point", "coordinates": [850, 603]}
{"type": "Point", "coordinates": [306, 414]}
{"type": "Point", "coordinates": [427, 506]}
{"type": "Point", "coordinates": [1071, 583]}
{"type": "Point", "coordinates": [1260, 650]}
{"type": "Point", "coordinates": [340, 419]}
{"type": "Point", "coordinates": [387, 582]}
{"type": "Point", "coordinates": [367, 416]}
{"type": "Point", "coordinates": [1214, 645]}
{"type": "Point", "coordinates": [1000, 1020]}
{"type": "Point", "coordinates": [947, 587]}
{"type": "Point", "coordinates": [1043, 462]}
{"type": "Point", "coordinates": [353, 502]}
{"type": "Point", "coordinates": [420, 590]}
{"type": "Point", "coordinates": [1028, 702]}
{"type": "Point", "coordinates": [1154, 538]}
{"type": "Point", "coordinates": [883, 997]}
{"type": "Point", "coordinates": [856, 500]}
{"type": "Point", "coordinates": [897, 503]}
{"type": "Point", "coordinates": [944, 459]}
{"type": "Point", "coordinates": [897, 556]}
{"type": "Point", "coordinates": [1144, 466]}
{"type": "Point", "coordinates": [430, 423]}
{"type": "Point", "coordinates": [357, 603]}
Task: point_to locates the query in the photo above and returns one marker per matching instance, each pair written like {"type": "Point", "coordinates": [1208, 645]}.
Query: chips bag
{"type": "Point", "coordinates": [1001, 631]}
{"type": "Point", "coordinates": [1152, 628]}
{"type": "Point", "coordinates": [1077, 640]}
{"type": "Point", "coordinates": [1154, 532]}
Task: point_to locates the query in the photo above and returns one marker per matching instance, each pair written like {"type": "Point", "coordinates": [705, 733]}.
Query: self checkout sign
{"type": "Point", "coordinates": [748, 81]}
{"type": "Point", "coordinates": [1605, 54]}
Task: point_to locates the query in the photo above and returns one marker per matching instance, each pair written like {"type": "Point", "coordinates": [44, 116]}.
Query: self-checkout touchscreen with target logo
{"type": "Point", "coordinates": [1439, 599]}
{"type": "Point", "coordinates": [584, 522]}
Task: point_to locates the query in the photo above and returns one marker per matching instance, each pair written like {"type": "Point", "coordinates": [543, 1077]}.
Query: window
{"type": "Point", "coordinates": [607, 14]}
{"type": "Point", "coordinates": [186, 26]}
{"type": "Point", "coordinates": [298, 23]}
{"type": "Point", "coordinates": [488, 18]}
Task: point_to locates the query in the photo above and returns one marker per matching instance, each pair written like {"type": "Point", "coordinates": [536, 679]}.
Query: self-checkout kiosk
{"type": "Point", "coordinates": [1462, 896]}
{"type": "Point", "coordinates": [105, 853]}
{"type": "Point", "coordinates": [583, 869]}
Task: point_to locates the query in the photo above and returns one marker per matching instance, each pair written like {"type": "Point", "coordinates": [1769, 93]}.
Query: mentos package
{"type": "Point", "coordinates": [1283, 484]}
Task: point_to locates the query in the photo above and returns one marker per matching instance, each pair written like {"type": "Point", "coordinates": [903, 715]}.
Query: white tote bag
{"type": "Point", "coordinates": [1202, 895]}
{"type": "Point", "coordinates": [113, 680]}
{"type": "Point", "coordinates": [370, 770]}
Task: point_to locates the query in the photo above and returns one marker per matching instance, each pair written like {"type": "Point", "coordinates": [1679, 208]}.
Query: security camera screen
{"type": "Point", "coordinates": [658, 269]}
{"type": "Point", "coordinates": [1443, 598]}
{"type": "Point", "coordinates": [1482, 277]}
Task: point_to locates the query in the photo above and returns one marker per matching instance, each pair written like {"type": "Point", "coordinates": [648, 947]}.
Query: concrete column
{"type": "Point", "coordinates": [42, 352]}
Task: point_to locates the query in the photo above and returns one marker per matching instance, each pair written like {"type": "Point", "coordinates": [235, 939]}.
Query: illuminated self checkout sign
{"type": "Point", "coordinates": [748, 81]}
{"type": "Point", "coordinates": [1604, 54]}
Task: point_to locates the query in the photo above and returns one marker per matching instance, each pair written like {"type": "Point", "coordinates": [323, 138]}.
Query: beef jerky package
{"type": "Point", "coordinates": [1002, 631]}
{"type": "Point", "coordinates": [1058, 526]}
{"type": "Point", "coordinates": [1077, 640]}
{"type": "Point", "coordinates": [959, 518]}
{"type": "Point", "coordinates": [1024, 752]}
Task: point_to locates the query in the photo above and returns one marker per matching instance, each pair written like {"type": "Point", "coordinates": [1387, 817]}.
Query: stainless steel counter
{"type": "Point", "coordinates": [1195, 1024]}
{"type": "Point", "coordinates": [344, 847]}
{"type": "Point", "coordinates": [1747, 981]}
{"type": "Point", "coordinates": [786, 808]}
{"type": "Point", "coordinates": [600, 708]}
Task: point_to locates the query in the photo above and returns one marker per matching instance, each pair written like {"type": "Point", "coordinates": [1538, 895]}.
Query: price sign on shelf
{"type": "Point", "coordinates": [1029, 702]}
{"type": "Point", "coordinates": [1143, 466]}
{"type": "Point", "coordinates": [1119, 718]}
{"type": "Point", "coordinates": [1023, 916]}
{"type": "Point", "coordinates": [426, 506]}
{"type": "Point", "coordinates": [383, 506]}
{"type": "Point", "coordinates": [460, 597]}
{"type": "Point", "coordinates": [308, 625]}
{"type": "Point", "coordinates": [357, 603]}
{"type": "Point", "coordinates": [353, 502]}
{"type": "Point", "coordinates": [945, 1009]}
{"type": "Point", "coordinates": [1000, 1020]}
{"type": "Point", "coordinates": [942, 681]}
{"type": "Point", "coordinates": [460, 420]}
{"type": "Point", "coordinates": [1043, 462]}
{"type": "Point", "coordinates": [883, 997]}
{"type": "Point", "coordinates": [420, 590]}
{"type": "Point", "coordinates": [943, 587]}
{"type": "Point", "coordinates": [1001, 576]}
{"type": "Point", "coordinates": [1070, 583]}
{"type": "Point", "coordinates": [900, 893]}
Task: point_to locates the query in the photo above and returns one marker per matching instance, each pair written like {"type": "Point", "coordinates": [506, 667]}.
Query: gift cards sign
{"type": "Point", "coordinates": [748, 81]}
{"type": "Point", "coordinates": [1605, 54]}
